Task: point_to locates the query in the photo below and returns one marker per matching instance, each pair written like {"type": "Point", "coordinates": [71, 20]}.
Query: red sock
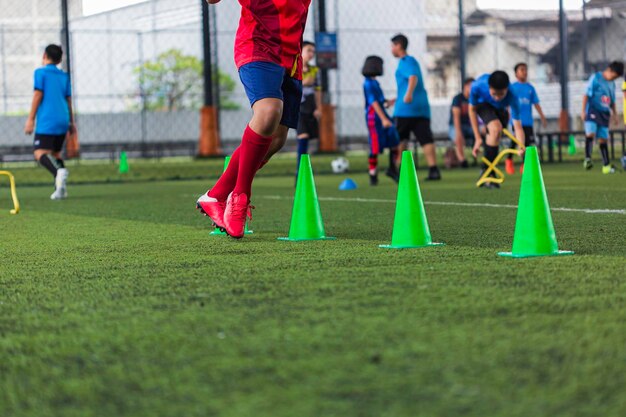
{"type": "Point", "coordinates": [226, 184]}
{"type": "Point", "coordinates": [253, 150]}
{"type": "Point", "coordinates": [373, 163]}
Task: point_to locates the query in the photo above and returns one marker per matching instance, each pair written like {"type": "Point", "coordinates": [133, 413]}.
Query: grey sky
{"type": "Point", "coordinates": [95, 6]}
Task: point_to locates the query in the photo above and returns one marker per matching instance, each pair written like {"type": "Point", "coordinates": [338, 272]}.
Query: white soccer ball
{"type": "Point", "coordinates": [340, 165]}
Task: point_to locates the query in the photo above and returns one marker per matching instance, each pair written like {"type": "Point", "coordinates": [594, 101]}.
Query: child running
{"type": "Point", "coordinates": [268, 54]}
{"type": "Point", "coordinates": [490, 99]}
{"type": "Point", "coordinates": [527, 96]}
{"type": "Point", "coordinates": [51, 110]}
{"type": "Point", "coordinates": [382, 133]}
{"type": "Point", "coordinates": [598, 109]}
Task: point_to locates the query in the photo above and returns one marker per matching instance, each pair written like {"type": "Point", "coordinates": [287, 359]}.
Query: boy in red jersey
{"type": "Point", "coordinates": [268, 50]}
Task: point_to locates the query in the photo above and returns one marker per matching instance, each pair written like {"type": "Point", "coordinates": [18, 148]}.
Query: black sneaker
{"type": "Point", "coordinates": [434, 174]}
{"type": "Point", "coordinates": [393, 174]}
{"type": "Point", "coordinates": [490, 185]}
{"type": "Point", "coordinates": [373, 179]}
{"type": "Point", "coordinates": [464, 164]}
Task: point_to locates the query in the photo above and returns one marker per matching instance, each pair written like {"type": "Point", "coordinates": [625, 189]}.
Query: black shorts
{"type": "Point", "coordinates": [529, 132]}
{"type": "Point", "coordinates": [49, 142]}
{"type": "Point", "coordinates": [420, 126]}
{"type": "Point", "coordinates": [308, 125]}
{"type": "Point", "coordinates": [488, 114]}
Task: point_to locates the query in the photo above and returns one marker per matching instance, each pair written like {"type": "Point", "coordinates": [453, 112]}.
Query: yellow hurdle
{"type": "Point", "coordinates": [493, 166]}
{"type": "Point", "coordinates": [16, 203]}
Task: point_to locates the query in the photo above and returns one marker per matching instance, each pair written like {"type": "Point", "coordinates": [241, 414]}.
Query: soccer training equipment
{"type": "Point", "coordinates": [238, 211]}
{"type": "Point", "coordinates": [124, 166]}
{"type": "Point", "coordinates": [16, 203]}
{"type": "Point", "coordinates": [608, 169]}
{"type": "Point", "coordinates": [213, 209]}
{"type": "Point", "coordinates": [410, 228]}
{"type": "Point", "coordinates": [534, 230]}
{"type": "Point", "coordinates": [509, 167]}
{"type": "Point", "coordinates": [306, 218]}
{"type": "Point", "coordinates": [348, 185]}
{"type": "Point", "coordinates": [340, 165]}
{"type": "Point", "coordinates": [492, 174]}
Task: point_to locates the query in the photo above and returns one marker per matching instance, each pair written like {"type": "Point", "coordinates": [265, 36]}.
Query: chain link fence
{"type": "Point", "coordinates": [138, 70]}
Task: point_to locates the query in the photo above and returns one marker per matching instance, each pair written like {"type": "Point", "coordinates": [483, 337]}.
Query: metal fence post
{"type": "Point", "coordinates": [564, 120]}
{"type": "Point", "coordinates": [209, 140]}
{"type": "Point", "coordinates": [462, 44]}
{"type": "Point", "coordinates": [328, 134]}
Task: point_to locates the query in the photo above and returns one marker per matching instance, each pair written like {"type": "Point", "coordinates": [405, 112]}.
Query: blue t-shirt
{"type": "Point", "coordinates": [373, 93]}
{"type": "Point", "coordinates": [480, 95]}
{"type": "Point", "coordinates": [601, 94]}
{"type": "Point", "coordinates": [527, 97]}
{"type": "Point", "coordinates": [53, 115]}
{"type": "Point", "coordinates": [420, 106]}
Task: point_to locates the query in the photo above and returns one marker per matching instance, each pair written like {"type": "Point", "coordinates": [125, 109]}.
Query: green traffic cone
{"type": "Point", "coordinates": [572, 145]}
{"type": "Point", "coordinates": [534, 230]}
{"type": "Point", "coordinates": [410, 227]}
{"type": "Point", "coordinates": [218, 232]}
{"type": "Point", "coordinates": [124, 166]}
{"type": "Point", "coordinates": [306, 219]}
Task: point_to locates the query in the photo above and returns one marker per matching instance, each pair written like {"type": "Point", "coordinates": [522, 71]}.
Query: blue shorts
{"type": "Point", "coordinates": [268, 80]}
{"type": "Point", "coordinates": [597, 124]}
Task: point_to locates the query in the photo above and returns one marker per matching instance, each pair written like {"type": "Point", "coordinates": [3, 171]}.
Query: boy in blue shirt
{"type": "Point", "coordinates": [527, 96]}
{"type": "Point", "coordinates": [382, 133]}
{"type": "Point", "coordinates": [412, 110]}
{"type": "Point", "coordinates": [52, 110]}
{"type": "Point", "coordinates": [491, 98]}
{"type": "Point", "coordinates": [598, 109]}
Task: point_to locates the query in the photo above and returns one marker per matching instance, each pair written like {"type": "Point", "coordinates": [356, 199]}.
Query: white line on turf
{"type": "Point", "coordinates": [450, 203]}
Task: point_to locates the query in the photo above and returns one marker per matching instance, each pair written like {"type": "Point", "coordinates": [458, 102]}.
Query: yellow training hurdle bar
{"type": "Point", "coordinates": [492, 167]}
{"type": "Point", "coordinates": [16, 203]}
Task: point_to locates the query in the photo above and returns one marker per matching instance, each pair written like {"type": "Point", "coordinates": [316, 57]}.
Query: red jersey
{"type": "Point", "coordinates": [271, 31]}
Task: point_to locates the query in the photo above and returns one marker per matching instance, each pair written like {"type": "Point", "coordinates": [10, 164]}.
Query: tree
{"type": "Point", "coordinates": [174, 81]}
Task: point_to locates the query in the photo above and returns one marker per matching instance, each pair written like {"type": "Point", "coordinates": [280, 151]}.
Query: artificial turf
{"type": "Point", "coordinates": [117, 302]}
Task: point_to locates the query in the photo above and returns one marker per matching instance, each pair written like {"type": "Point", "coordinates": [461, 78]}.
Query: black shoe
{"type": "Point", "coordinates": [373, 179]}
{"type": "Point", "coordinates": [393, 174]}
{"type": "Point", "coordinates": [434, 174]}
{"type": "Point", "coordinates": [464, 164]}
{"type": "Point", "coordinates": [490, 185]}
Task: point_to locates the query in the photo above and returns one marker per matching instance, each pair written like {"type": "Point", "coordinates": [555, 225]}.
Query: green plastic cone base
{"type": "Point", "coordinates": [520, 255]}
{"type": "Point", "coordinates": [534, 231]}
{"type": "Point", "coordinates": [410, 226]}
{"type": "Point", "coordinates": [410, 247]}
{"type": "Point", "coordinates": [218, 232]}
{"type": "Point", "coordinates": [306, 218]}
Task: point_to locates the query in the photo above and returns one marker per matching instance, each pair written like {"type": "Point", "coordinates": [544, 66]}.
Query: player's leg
{"type": "Point", "coordinates": [304, 136]}
{"type": "Point", "coordinates": [266, 101]}
{"type": "Point", "coordinates": [375, 131]}
{"type": "Point", "coordinates": [603, 144]}
{"type": "Point", "coordinates": [403, 127]}
{"type": "Point", "coordinates": [494, 124]}
{"type": "Point", "coordinates": [43, 149]}
{"type": "Point", "coordinates": [424, 135]}
{"type": "Point", "coordinates": [459, 146]}
{"type": "Point", "coordinates": [62, 172]}
{"type": "Point", "coordinates": [392, 140]}
{"type": "Point", "coordinates": [591, 129]}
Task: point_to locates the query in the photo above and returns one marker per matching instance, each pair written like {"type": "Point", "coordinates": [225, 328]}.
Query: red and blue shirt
{"type": "Point", "coordinates": [271, 31]}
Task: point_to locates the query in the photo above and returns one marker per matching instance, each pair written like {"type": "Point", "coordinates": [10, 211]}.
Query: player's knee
{"type": "Point", "coordinates": [603, 141]}
{"type": "Point", "coordinates": [267, 115]}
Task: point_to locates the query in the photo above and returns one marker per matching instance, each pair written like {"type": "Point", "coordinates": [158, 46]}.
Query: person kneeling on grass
{"type": "Point", "coordinates": [52, 111]}
{"type": "Point", "coordinates": [598, 105]}
{"type": "Point", "coordinates": [491, 99]}
{"type": "Point", "coordinates": [382, 133]}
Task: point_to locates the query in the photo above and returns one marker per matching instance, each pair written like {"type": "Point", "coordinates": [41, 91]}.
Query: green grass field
{"type": "Point", "coordinates": [117, 302]}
